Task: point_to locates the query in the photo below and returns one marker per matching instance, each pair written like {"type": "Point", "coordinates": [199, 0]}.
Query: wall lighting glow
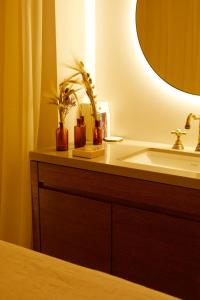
{"type": "Point", "coordinates": [158, 83]}
{"type": "Point", "coordinates": [90, 44]}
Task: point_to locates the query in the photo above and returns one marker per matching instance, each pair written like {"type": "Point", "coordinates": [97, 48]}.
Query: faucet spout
{"type": "Point", "coordinates": [188, 121]}
{"type": "Point", "coordinates": [188, 125]}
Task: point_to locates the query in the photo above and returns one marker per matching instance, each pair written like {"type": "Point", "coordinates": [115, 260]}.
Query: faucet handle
{"type": "Point", "coordinates": [178, 132]}
{"type": "Point", "coordinates": [178, 145]}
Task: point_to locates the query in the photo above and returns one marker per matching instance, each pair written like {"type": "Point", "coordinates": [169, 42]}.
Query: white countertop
{"type": "Point", "coordinates": [111, 163]}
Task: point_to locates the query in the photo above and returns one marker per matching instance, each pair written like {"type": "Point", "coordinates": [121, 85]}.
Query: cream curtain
{"type": "Point", "coordinates": [20, 89]}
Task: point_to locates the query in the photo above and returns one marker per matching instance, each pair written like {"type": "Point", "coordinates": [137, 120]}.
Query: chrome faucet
{"type": "Point", "coordinates": [188, 125]}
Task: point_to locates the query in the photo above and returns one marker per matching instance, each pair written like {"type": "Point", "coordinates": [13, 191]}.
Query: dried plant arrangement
{"type": "Point", "coordinates": [66, 100]}
{"type": "Point", "coordinates": [82, 78]}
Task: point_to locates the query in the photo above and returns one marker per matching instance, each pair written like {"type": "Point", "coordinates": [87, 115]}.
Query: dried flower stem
{"type": "Point", "coordinates": [66, 100]}
{"type": "Point", "coordinates": [86, 82]}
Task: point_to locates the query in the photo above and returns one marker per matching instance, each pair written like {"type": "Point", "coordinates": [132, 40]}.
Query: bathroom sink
{"type": "Point", "coordinates": [166, 158]}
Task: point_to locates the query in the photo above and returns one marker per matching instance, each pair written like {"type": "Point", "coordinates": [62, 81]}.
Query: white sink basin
{"type": "Point", "coordinates": [166, 158]}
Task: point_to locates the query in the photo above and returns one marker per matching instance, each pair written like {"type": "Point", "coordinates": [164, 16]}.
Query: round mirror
{"type": "Point", "coordinates": [169, 35]}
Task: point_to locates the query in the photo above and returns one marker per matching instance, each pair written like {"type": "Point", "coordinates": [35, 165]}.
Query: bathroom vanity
{"type": "Point", "coordinates": [135, 222]}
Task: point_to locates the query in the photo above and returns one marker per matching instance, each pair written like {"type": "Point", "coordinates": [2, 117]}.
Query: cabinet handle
{"type": "Point", "coordinates": [41, 184]}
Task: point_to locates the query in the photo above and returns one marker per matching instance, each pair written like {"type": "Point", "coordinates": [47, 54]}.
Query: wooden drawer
{"type": "Point", "coordinates": [128, 191]}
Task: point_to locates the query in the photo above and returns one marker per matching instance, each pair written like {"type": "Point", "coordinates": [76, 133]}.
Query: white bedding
{"type": "Point", "coordinates": [25, 274]}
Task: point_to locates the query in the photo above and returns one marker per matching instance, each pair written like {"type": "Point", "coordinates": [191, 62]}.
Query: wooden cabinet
{"type": "Point", "coordinates": [157, 250]}
{"type": "Point", "coordinates": [143, 231]}
{"type": "Point", "coordinates": [65, 224]}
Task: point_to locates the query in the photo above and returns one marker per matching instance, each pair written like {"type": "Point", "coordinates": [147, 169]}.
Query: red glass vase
{"type": "Point", "coordinates": [61, 138]}
{"type": "Point", "coordinates": [97, 133]}
{"type": "Point", "coordinates": [80, 133]}
{"type": "Point", "coordinates": [77, 134]}
{"type": "Point", "coordinates": [83, 131]}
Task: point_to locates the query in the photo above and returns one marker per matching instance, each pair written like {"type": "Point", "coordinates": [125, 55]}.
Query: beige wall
{"type": "Point", "coordinates": [62, 42]}
{"type": "Point", "coordinates": [70, 44]}
{"type": "Point", "coordinates": [143, 107]}
{"type": "Point", "coordinates": [48, 113]}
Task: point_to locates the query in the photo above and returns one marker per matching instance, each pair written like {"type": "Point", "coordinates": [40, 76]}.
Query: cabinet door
{"type": "Point", "coordinates": [157, 250]}
{"type": "Point", "coordinates": [76, 229]}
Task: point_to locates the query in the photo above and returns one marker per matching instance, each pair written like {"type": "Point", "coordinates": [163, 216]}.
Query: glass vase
{"type": "Point", "coordinates": [83, 131]}
{"type": "Point", "coordinates": [61, 138]}
{"type": "Point", "coordinates": [97, 133]}
{"type": "Point", "coordinates": [80, 133]}
{"type": "Point", "coordinates": [77, 134]}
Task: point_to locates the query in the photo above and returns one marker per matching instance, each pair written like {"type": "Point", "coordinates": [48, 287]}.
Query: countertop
{"type": "Point", "coordinates": [111, 163]}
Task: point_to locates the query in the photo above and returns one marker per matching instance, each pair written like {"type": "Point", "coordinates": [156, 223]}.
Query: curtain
{"type": "Point", "coordinates": [20, 90]}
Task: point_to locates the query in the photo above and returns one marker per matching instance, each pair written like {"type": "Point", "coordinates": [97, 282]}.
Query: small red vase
{"type": "Point", "coordinates": [97, 133]}
{"type": "Point", "coordinates": [77, 134]}
{"type": "Point", "coordinates": [61, 138]}
{"type": "Point", "coordinates": [80, 133]}
{"type": "Point", "coordinates": [83, 131]}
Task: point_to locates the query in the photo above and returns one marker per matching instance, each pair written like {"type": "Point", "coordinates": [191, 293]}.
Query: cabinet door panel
{"type": "Point", "coordinates": [75, 228]}
{"type": "Point", "coordinates": [157, 250]}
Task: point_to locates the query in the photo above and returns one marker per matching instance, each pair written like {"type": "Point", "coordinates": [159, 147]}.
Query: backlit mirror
{"type": "Point", "coordinates": [169, 36]}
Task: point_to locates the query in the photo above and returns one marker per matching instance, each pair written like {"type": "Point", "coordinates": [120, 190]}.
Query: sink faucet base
{"type": "Point", "coordinates": [178, 143]}
{"type": "Point", "coordinates": [197, 147]}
